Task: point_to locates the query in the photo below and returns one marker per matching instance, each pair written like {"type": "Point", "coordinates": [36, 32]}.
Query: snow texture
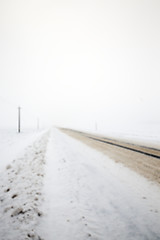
{"type": "Point", "coordinates": [88, 196]}
{"type": "Point", "coordinates": [61, 189]}
{"type": "Point", "coordinates": [21, 193]}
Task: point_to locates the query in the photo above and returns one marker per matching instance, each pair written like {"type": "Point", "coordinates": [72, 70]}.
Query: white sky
{"type": "Point", "coordinates": [74, 63]}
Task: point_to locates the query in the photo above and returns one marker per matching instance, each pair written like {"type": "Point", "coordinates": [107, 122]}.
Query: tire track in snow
{"type": "Point", "coordinates": [63, 218]}
{"type": "Point", "coordinates": [21, 193]}
{"type": "Point", "coordinates": [89, 196]}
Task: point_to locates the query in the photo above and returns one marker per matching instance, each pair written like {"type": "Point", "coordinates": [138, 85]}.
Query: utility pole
{"type": "Point", "coordinates": [19, 119]}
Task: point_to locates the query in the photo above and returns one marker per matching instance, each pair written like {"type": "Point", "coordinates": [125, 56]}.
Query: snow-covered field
{"type": "Point", "coordinates": [12, 144]}
{"type": "Point", "coordinates": [144, 134]}
{"type": "Point", "coordinates": [59, 188]}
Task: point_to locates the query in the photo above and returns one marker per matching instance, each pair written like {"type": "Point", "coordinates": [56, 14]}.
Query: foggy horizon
{"type": "Point", "coordinates": [89, 65]}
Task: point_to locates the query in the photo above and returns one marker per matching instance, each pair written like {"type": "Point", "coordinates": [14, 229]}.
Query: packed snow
{"type": "Point", "coordinates": [59, 188]}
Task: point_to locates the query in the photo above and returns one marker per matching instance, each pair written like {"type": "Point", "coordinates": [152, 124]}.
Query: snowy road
{"type": "Point", "coordinates": [88, 196]}
{"type": "Point", "coordinates": [62, 189]}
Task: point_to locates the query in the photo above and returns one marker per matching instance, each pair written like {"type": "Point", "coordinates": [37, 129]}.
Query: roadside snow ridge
{"type": "Point", "coordinates": [21, 193]}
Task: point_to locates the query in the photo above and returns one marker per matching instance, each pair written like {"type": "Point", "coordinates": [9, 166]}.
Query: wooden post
{"type": "Point", "coordinates": [19, 119]}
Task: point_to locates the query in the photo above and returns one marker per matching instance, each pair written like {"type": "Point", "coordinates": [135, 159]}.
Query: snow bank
{"type": "Point", "coordinates": [12, 144]}
{"type": "Point", "coordinates": [21, 193]}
